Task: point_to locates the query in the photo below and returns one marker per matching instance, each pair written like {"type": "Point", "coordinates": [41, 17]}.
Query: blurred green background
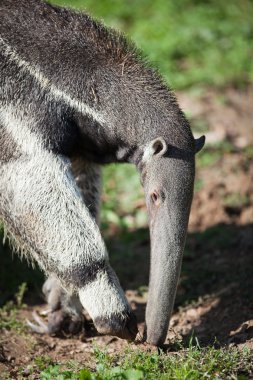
{"type": "Point", "coordinates": [193, 42]}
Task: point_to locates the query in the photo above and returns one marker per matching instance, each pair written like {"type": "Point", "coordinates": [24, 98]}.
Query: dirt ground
{"type": "Point", "coordinates": [215, 292]}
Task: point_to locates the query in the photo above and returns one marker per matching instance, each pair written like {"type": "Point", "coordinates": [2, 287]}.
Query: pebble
{"type": "Point", "coordinates": [26, 372]}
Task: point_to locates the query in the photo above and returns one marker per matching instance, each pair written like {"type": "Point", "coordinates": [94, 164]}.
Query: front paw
{"type": "Point", "coordinates": [57, 322]}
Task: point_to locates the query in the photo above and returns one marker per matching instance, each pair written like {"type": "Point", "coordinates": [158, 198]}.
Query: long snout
{"type": "Point", "coordinates": [165, 266]}
{"type": "Point", "coordinates": [168, 229]}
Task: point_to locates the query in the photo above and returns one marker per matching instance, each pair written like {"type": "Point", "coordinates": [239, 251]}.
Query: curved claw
{"type": "Point", "coordinates": [45, 312]}
{"type": "Point", "coordinates": [40, 327]}
{"type": "Point", "coordinates": [57, 322]}
{"type": "Point", "coordinates": [139, 338]}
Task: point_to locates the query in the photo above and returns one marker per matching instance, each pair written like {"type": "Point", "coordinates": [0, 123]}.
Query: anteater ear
{"type": "Point", "coordinates": [199, 143]}
{"type": "Point", "coordinates": [156, 147]}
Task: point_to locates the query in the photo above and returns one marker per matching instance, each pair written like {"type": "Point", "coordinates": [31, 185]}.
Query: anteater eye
{"type": "Point", "coordinates": [155, 197]}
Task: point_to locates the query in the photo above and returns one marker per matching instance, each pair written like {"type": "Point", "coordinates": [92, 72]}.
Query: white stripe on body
{"type": "Point", "coordinates": [46, 84]}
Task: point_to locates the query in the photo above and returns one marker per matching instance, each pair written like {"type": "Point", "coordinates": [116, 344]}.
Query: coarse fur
{"type": "Point", "coordinates": [75, 94]}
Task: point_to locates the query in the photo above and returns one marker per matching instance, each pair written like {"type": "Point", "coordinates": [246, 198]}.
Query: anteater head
{"type": "Point", "coordinates": [167, 174]}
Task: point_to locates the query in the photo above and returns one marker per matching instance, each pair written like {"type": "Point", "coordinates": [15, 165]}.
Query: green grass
{"type": "Point", "coordinates": [194, 363]}
{"type": "Point", "coordinates": [8, 313]}
{"type": "Point", "coordinates": [14, 272]}
{"type": "Point", "coordinates": [192, 42]}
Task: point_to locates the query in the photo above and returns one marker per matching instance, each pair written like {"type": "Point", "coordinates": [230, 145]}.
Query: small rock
{"type": "Point", "coordinates": [26, 372]}
{"type": "Point", "coordinates": [192, 313]}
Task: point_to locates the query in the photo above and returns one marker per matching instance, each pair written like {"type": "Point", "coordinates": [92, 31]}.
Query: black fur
{"type": "Point", "coordinates": [81, 275]}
